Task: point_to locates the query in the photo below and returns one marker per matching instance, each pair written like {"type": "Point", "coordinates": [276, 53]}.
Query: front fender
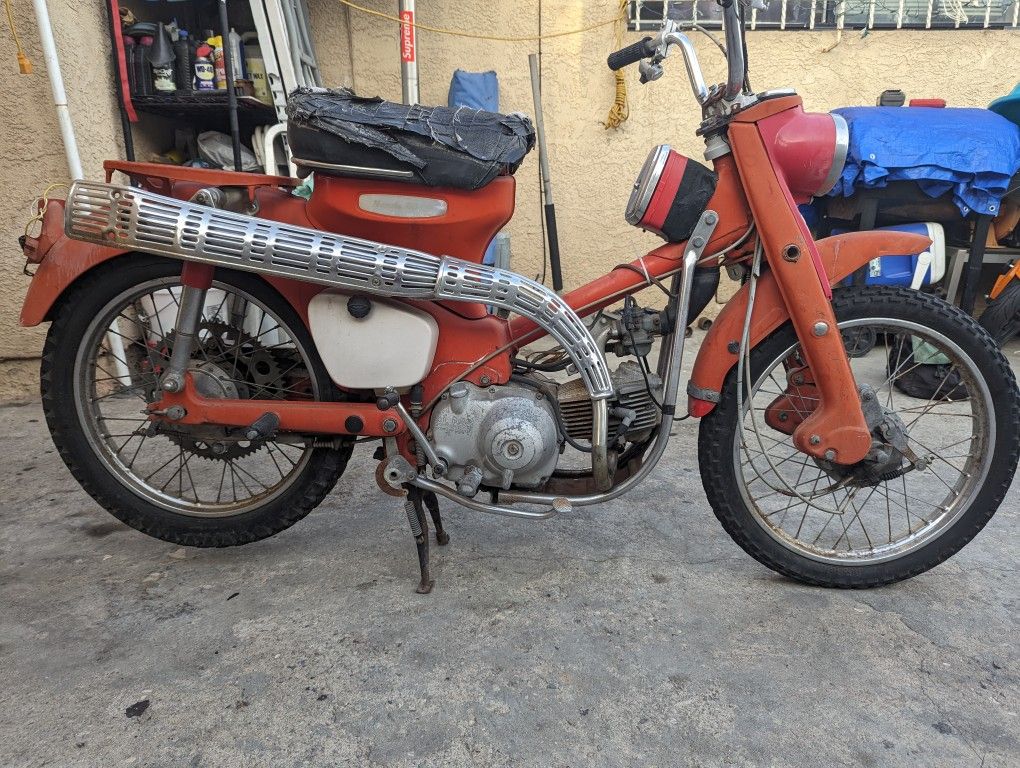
{"type": "Point", "coordinates": [841, 256]}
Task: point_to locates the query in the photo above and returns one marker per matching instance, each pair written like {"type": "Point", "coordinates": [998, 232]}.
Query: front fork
{"type": "Point", "coordinates": [196, 280]}
{"type": "Point", "coordinates": [836, 430]}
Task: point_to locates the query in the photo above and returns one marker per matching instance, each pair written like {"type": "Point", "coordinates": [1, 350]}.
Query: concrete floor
{"type": "Point", "coordinates": [635, 633]}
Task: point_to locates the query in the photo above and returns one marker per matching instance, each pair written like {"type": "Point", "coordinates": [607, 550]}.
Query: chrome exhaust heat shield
{"type": "Point", "coordinates": [126, 217]}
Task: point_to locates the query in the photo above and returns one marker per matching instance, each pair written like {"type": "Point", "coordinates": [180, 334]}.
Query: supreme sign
{"type": "Point", "coordinates": [407, 35]}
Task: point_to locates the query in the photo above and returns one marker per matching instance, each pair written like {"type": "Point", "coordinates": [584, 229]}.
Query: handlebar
{"type": "Point", "coordinates": [655, 49]}
{"type": "Point", "coordinates": [632, 54]}
{"type": "Point", "coordinates": [736, 69]}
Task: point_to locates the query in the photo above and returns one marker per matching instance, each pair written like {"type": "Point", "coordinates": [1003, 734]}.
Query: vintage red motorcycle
{"type": "Point", "coordinates": [216, 402]}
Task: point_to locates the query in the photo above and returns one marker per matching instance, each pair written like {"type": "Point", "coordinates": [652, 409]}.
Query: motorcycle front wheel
{"type": "Point", "coordinates": [943, 385]}
{"type": "Point", "coordinates": [109, 341]}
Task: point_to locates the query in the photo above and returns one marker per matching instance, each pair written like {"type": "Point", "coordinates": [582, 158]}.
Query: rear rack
{"type": "Point", "coordinates": [162, 178]}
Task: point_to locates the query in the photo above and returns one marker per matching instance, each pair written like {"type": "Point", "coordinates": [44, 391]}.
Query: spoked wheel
{"type": "Point", "coordinates": [942, 462]}
{"type": "Point", "coordinates": [107, 348]}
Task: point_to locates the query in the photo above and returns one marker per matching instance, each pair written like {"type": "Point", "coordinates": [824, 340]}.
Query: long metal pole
{"type": "Point", "coordinates": [543, 161]}
{"type": "Point", "coordinates": [408, 53]}
{"type": "Point", "coordinates": [228, 69]}
{"type": "Point", "coordinates": [49, 46]}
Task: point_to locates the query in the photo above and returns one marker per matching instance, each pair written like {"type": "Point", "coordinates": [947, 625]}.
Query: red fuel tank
{"type": "Point", "coordinates": [438, 220]}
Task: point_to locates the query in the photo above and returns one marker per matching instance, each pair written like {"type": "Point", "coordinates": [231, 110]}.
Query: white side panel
{"type": "Point", "coordinates": [392, 347]}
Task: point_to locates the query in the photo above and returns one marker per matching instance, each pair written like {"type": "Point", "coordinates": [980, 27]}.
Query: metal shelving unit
{"type": "Point", "coordinates": [188, 106]}
{"type": "Point", "coordinates": [250, 110]}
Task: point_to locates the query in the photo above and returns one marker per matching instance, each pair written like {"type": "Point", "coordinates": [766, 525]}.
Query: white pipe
{"type": "Point", "coordinates": [49, 46]}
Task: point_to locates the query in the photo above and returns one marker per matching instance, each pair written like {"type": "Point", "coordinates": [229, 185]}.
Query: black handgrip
{"type": "Point", "coordinates": [633, 53]}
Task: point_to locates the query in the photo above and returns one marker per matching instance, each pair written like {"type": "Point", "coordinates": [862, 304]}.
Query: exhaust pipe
{"type": "Point", "coordinates": [126, 217]}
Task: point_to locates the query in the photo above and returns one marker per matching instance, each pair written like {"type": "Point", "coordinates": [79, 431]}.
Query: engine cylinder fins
{"type": "Point", "coordinates": [130, 218]}
{"type": "Point", "coordinates": [631, 393]}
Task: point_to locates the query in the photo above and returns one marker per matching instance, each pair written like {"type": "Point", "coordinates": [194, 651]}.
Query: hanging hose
{"type": "Point", "coordinates": [620, 111]}
{"type": "Point", "coordinates": [24, 64]}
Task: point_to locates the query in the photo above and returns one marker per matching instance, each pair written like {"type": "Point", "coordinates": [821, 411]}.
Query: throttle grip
{"type": "Point", "coordinates": [632, 54]}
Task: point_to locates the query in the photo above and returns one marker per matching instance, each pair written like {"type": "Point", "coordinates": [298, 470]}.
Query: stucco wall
{"type": "Point", "coordinates": [592, 168]}
{"type": "Point", "coordinates": [32, 154]}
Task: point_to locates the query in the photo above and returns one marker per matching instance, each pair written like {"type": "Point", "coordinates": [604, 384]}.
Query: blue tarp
{"type": "Point", "coordinates": [972, 152]}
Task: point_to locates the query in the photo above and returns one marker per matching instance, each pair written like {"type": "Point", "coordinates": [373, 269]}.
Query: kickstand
{"type": "Point", "coordinates": [418, 521]}
{"type": "Point", "coordinates": [432, 504]}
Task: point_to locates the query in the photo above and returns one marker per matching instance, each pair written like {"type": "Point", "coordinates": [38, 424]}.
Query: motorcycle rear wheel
{"type": "Point", "coordinates": [106, 345]}
{"type": "Point", "coordinates": [816, 523]}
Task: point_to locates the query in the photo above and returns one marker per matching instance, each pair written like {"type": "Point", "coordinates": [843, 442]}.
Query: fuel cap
{"type": "Point", "coordinates": [359, 307]}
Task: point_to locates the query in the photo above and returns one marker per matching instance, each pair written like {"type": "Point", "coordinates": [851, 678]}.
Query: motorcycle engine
{"type": "Point", "coordinates": [496, 436]}
{"type": "Point", "coordinates": [508, 435]}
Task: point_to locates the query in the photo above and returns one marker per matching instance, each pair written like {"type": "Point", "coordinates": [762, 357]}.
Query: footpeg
{"type": "Point", "coordinates": [263, 428]}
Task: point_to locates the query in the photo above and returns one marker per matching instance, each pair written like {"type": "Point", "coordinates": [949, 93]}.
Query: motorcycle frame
{"type": "Point", "coordinates": [477, 347]}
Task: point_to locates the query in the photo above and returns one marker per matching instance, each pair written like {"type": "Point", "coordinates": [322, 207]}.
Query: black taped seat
{"type": "Point", "coordinates": [336, 132]}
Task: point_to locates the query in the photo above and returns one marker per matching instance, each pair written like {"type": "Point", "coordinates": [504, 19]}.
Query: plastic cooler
{"type": "Point", "coordinates": [902, 270]}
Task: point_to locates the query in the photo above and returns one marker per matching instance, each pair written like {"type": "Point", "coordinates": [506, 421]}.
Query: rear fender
{"type": "Point", "coordinates": [841, 256]}
{"type": "Point", "coordinates": [63, 264]}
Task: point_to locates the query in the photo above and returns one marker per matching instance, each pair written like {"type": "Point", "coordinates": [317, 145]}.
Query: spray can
{"type": "Point", "coordinates": [237, 54]}
{"type": "Point", "coordinates": [216, 43]}
{"type": "Point", "coordinates": [161, 57]}
{"type": "Point", "coordinates": [205, 74]}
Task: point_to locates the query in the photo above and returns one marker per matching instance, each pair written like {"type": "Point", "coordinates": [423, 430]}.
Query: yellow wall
{"type": "Point", "coordinates": [592, 168]}
{"type": "Point", "coordinates": [32, 154]}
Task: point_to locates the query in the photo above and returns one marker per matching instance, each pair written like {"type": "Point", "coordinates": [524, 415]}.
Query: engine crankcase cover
{"type": "Point", "coordinates": [508, 432]}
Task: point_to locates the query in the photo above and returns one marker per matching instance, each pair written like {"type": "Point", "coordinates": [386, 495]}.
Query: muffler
{"type": "Point", "coordinates": [126, 217]}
